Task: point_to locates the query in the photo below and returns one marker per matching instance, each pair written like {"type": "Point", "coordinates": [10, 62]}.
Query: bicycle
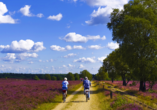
{"type": "Point", "coordinates": [87, 94]}
{"type": "Point", "coordinates": [64, 95]}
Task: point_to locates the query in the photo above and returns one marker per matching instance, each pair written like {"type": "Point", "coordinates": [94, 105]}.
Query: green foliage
{"type": "Point", "coordinates": [53, 78]}
{"type": "Point", "coordinates": [85, 73]}
{"type": "Point", "coordinates": [134, 28]}
{"type": "Point", "coordinates": [36, 77]}
{"type": "Point", "coordinates": [59, 78]}
{"type": "Point", "coordinates": [102, 74]}
{"type": "Point", "coordinates": [47, 77]}
{"type": "Point", "coordinates": [119, 101]}
{"type": "Point", "coordinates": [77, 77]}
{"type": "Point", "coordinates": [70, 76]}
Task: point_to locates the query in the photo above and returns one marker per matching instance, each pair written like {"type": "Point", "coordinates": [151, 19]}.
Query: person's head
{"type": "Point", "coordinates": [86, 78]}
{"type": "Point", "coordinates": [65, 79]}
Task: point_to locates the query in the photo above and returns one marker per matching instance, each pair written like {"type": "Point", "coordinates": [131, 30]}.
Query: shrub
{"type": "Point", "coordinates": [36, 77]}
{"type": "Point", "coordinates": [54, 78]}
{"type": "Point", "coordinates": [47, 77]}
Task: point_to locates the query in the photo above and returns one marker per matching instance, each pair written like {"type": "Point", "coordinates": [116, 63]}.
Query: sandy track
{"type": "Point", "coordinates": [80, 103]}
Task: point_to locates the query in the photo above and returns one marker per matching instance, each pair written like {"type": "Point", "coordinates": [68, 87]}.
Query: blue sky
{"type": "Point", "coordinates": [55, 36]}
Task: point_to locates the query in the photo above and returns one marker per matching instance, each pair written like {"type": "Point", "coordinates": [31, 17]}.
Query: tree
{"type": "Point", "coordinates": [36, 77]}
{"type": "Point", "coordinates": [53, 78]}
{"type": "Point", "coordinates": [70, 76]}
{"type": "Point", "coordinates": [47, 77]}
{"type": "Point", "coordinates": [86, 73]}
{"type": "Point", "coordinates": [102, 74]}
{"type": "Point", "coordinates": [59, 77]}
{"type": "Point", "coordinates": [134, 28]}
{"type": "Point", "coordinates": [77, 77]}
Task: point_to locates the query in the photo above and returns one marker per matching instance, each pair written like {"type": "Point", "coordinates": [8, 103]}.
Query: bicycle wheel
{"type": "Point", "coordinates": [64, 97]}
{"type": "Point", "coordinates": [86, 97]}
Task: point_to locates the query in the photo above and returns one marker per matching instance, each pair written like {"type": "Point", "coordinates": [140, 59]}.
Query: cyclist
{"type": "Point", "coordinates": [87, 84]}
{"type": "Point", "coordinates": [65, 84]}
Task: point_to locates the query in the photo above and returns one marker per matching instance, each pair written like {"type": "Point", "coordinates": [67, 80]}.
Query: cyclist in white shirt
{"type": "Point", "coordinates": [65, 84]}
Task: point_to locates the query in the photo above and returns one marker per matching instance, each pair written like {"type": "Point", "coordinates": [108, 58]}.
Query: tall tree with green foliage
{"type": "Point", "coordinates": [102, 74]}
{"type": "Point", "coordinates": [70, 76]}
{"type": "Point", "coordinates": [86, 73]}
{"type": "Point", "coordinates": [77, 77]}
{"type": "Point", "coordinates": [134, 28]}
{"type": "Point", "coordinates": [47, 77]}
{"type": "Point", "coordinates": [36, 77]}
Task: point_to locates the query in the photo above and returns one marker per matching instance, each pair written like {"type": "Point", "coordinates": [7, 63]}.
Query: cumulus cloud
{"type": "Point", "coordinates": [25, 11]}
{"type": "Point", "coordinates": [22, 46]}
{"type": "Point", "coordinates": [113, 45]}
{"type": "Point", "coordinates": [40, 60]}
{"type": "Point", "coordinates": [95, 47]}
{"type": "Point", "coordinates": [57, 17]}
{"type": "Point", "coordinates": [57, 48]}
{"type": "Point", "coordinates": [78, 47]}
{"type": "Point", "coordinates": [83, 59]}
{"type": "Point", "coordinates": [3, 17]}
{"type": "Point", "coordinates": [22, 56]}
{"type": "Point", "coordinates": [64, 66]}
{"type": "Point", "coordinates": [9, 57]}
{"type": "Point", "coordinates": [71, 65]}
{"type": "Point", "coordinates": [101, 59]}
{"type": "Point", "coordinates": [68, 47]}
{"type": "Point", "coordinates": [73, 37]}
{"type": "Point", "coordinates": [81, 66]}
{"type": "Point", "coordinates": [69, 55]}
{"type": "Point", "coordinates": [40, 15]}
{"type": "Point", "coordinates": [53, 68]}
{"type": "Point", "coordinates": [101, 16]}
{"type": "Point", "coordinates": [103, 38]}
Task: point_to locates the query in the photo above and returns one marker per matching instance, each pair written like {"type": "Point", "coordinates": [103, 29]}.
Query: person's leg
{"type": "Point", "coordinates": [89, 94]}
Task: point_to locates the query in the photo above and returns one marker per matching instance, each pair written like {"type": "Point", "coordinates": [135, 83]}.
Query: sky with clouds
{"type": "Point", "coordinates": [55, 36]}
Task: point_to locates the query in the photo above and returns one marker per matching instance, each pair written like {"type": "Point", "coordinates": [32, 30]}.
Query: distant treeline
{"type": "Point", "coordinates": [47, 76]}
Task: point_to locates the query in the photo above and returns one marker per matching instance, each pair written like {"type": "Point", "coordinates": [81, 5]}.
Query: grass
{"type": "Point", "coordinates": [57, 100]}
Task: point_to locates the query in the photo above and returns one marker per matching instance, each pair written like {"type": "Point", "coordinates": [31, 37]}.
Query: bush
{"type": "Point", "coordinates": [54, 78]}
{"type": "Point", "coordinates": [36, 77]}
{"type": "Point", "coordinates": [133, 84]}
{"type": "Point", "coordinates": [47, 77]}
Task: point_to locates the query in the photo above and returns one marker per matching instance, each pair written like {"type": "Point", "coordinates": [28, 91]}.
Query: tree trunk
{"type": "Point", "coordinates": [142, 86]}
{"type": "Point", "coordinates": [112, 80]}
{"type": "Point", "coordinates": [124, 80]}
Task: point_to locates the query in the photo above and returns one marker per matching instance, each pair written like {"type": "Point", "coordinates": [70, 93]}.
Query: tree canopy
{"type": "Point", "coordinates": [134, 28]}
{"type": "Point", "coordinates": [85, 73]}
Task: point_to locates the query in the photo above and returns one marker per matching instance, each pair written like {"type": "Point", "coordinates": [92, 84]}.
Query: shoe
{"type": "Point", "coordinates": [88, 98]}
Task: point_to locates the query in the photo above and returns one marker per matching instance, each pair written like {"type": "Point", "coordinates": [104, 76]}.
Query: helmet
{"type": "Point", "coordinates": [65, 79]}
{"type": "Point", "coordinates": [86, 77]}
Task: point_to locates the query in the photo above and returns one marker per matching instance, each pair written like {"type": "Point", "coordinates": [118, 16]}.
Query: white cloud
{"type": "Point", "coordinates": [83, 59]}
{"type": "Point", "coordinates": [95, 47]}
{"type": "Point", "coordinates": [112, 45]}
{"type": "Point", "coordinates": [22, 56]}
{"type": "Point", "coordinates": [57, 48]}
{"type": "Point", "coordinates": [78, 47]}
{"type": "Point", "coordinates": [101, 16]}
{"type": "Point", "coordinates": [22, 46]}
{"type": "Point", "coordinates": [5, 18]}
{"type": "Point", "coordinates": [31, 62]}
{"type": "Point", "coordinates": [73, 37]}
{"type": "Point", "coordinates": [40, 15]}
{"type": "Point", "coordinates": [2, 66]}
{"type": "Point", "coordinates": [71, 65]}
{"type": "Point", "coordinates": [40, 60]}
{"type": "Point", "coordinates": [57, 17]}
{"type": "Point", "coordinates": [81, 66]}
{"type": "Point", "coordinates": [93, 37]}
{"type": "Point", "coordinates": [103, 38]}
{"type": "Point", "coordinates": [53, 68]}
{"type": "Point", "coordinates": [101, 59]}
{"type": "Point", "coordinates": [68, 47]}
{"type": "Point", "coordinates": [25, 11]}
{"type": "Point", "coordinates": [64, 66]}
{"type": "Point", "coordinates": [51, 60]}
{"type": "Point", "coordinates": [9, 57]}
{"type": "Point", "coordinates": [75, 0]}
{"type": "Point", "coordinates": [69, 55]}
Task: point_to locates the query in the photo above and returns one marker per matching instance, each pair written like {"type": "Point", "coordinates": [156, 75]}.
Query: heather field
{"type": "Point", "coordinates": [18, 94]}
{"type": "Point", "coordinates": [150, 93]}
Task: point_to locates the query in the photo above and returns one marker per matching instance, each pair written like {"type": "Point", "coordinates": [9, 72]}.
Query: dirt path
{"type": "Point", "coordinates": [78, 102]}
